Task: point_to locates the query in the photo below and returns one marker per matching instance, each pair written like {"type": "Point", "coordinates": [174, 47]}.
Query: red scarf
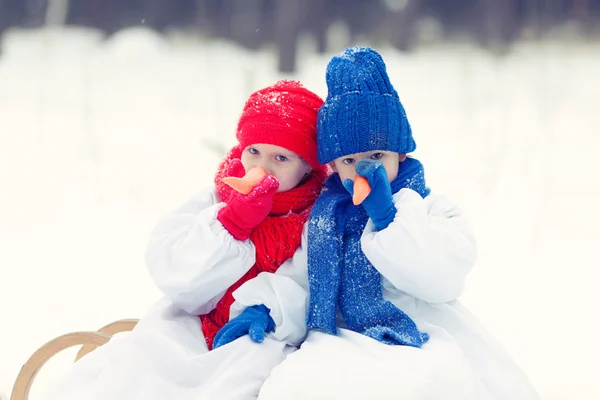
{"type": "Point", "coordinates": [275, 239]}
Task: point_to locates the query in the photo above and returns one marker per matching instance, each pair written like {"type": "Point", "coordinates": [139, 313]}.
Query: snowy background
{"type": "Point", "coordinates": [99, 139]}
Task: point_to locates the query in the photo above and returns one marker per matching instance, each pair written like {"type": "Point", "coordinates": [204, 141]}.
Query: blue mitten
{"type": "Point", "coordinates": [254, 321]}
{"type": "Point", "coordinates": [379, 203]}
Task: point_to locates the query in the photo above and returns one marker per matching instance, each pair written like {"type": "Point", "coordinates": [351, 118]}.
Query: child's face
{"type": "Point", "coordinates": [288, 167]}
{"type": "Point", "coordinates": [390, 160]}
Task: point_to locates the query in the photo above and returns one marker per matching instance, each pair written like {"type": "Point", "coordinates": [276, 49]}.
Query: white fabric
{"type": "Point", "coordinates": [424, 257]}
{"type": "Point", "coordinates": [285, 293]}
{"type": "Point", "coordinates": [427, 251]}
{"type": "Point", "coordinates": [165, 357]}
{"type": "Point", "coordinates": [354, 366]}
{"type": "Point", "coordinates": [193, 260]}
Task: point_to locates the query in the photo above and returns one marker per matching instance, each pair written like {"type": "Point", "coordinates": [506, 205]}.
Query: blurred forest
{"type": "Point", "coordinates": [494, 24]}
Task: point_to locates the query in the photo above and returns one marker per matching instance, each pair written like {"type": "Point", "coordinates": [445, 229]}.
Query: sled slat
{"type": "Point", "coordinates": [122, 325]}
{"type": "Point", "coordinates": [31, 368]}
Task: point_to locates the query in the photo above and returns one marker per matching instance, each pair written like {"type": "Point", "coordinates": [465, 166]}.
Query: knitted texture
{"type": "Point", "coordinates": [379, 204]}
{"type": "Point", "coordinates": [243, 212]}
{"type": "Point", "coordinates": [362, 111]}
{"type": "Point", "coordinates": [276, 238]}
{"type": "Point", "coordinates": [255, 321]}
{"type": "Point", "coordinates": [284, 115]}
{"type": "Point", "coordinates": [341, 275]}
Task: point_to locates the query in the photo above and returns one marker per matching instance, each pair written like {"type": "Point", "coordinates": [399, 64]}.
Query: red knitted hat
{"type": "Point", "coordinates": [285, 115]}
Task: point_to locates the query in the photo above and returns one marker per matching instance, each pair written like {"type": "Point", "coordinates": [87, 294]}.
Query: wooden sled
{"type": "Point", "coordinates": [88, 340]}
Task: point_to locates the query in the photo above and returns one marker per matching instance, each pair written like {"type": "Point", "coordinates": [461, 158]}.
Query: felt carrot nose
{"type": "Point", "coordinates": [245, 184]}
{"type": "Point", "coordinates": [361, 190]}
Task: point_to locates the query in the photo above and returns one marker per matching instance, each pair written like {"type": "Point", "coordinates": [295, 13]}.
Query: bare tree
{"type": "Point", "coordinates": [289, 16]}
{"type": "Point", "coordinates": [499, 23]}
{"type": "Point", "coordinates": [56, 12]}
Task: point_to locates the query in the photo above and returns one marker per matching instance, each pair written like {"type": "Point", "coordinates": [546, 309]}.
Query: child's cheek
{"type": "Point", "coordinates": [286, 184]}
{"type": "Point", "coordinates": [283, 181]}
{"type": "Point", "coordinates": [347, 173]}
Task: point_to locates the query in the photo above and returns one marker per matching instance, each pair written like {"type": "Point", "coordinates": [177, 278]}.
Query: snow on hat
{"type": "Point", "coordinates": [284, 115]}
{"type": "Point", "coordinates": [362, 111]}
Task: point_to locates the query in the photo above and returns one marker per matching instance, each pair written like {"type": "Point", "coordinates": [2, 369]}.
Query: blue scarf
{"type": "Point", "coordinates": [341, 275]}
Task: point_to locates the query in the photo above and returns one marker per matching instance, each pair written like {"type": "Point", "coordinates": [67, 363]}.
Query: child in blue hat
{"type": "Point", "coordinates": [384, 276]}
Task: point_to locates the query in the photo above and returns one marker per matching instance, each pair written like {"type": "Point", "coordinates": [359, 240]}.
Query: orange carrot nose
{"type": "Point", "coordinates": [361, 190]}
{"type": "Point", "coordinates": [245, 184]}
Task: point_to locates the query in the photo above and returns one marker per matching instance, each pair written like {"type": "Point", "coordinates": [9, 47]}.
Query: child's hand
{"type": "Point", "coordinates": [254, 321]}
{"type": "Point", "coordinates": [379, 203]}
{"type": "Point", "coordinates": [244, 212]}
{"type": "Point", "coordinates": [235, 168]}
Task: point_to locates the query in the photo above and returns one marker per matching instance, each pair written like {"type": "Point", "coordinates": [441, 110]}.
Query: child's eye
{"type": "Point", "coordinates": [281, 158]}
{"type": "Point", "coordinates": [348, 161]}
{"type": "Point", "coordinates": [252, 150]}
{"type": "Point", "coordinates": [376, 156]}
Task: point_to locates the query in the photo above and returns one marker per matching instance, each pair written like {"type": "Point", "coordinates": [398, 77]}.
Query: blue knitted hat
{"type": "Point", "coordinates": [362, 111]}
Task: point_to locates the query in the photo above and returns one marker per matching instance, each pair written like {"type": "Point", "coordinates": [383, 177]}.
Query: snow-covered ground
{"type": "Point", "coordinates": [98, 140]}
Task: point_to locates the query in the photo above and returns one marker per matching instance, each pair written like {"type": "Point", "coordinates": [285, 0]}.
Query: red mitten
{"type": "Point", "coordinates": [244, 212]}
{"type": "Point", "coordinates": [235, 168]}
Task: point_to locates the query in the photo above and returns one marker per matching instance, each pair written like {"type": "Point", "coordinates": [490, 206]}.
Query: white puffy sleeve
{"type": "Point", "coordinates": [284, 292]}
{"type": "Point", "coordinates": [427, 250]}
{"type": "Point", "coordinates": [193, 259]}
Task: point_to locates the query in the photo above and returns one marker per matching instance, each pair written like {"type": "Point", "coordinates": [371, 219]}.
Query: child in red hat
{"type": "Point", "coordinates": [232, 267]}
{"type": "Point", "coordinates": [277, 131]}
